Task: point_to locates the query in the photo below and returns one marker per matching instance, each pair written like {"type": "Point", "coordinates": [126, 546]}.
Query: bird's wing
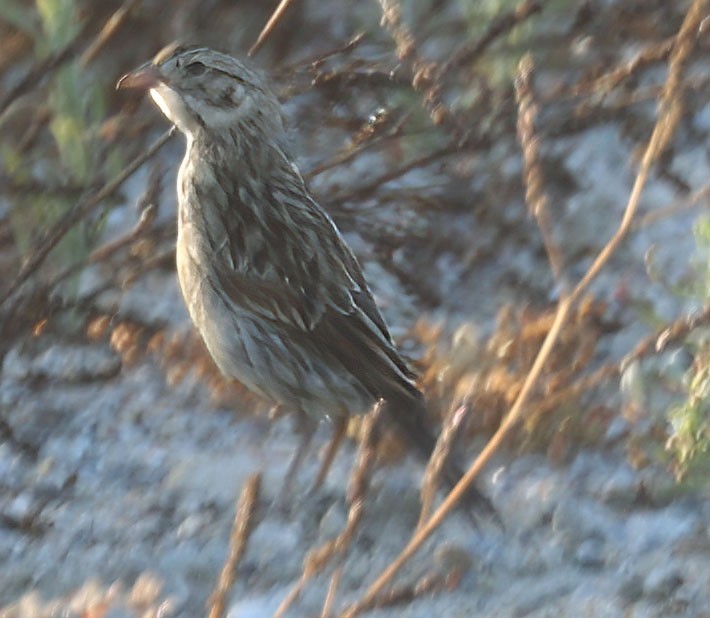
{"type": "Point", "coordinates": [316, 288]}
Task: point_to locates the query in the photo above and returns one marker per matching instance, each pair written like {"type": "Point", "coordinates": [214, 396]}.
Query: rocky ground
{"type": "Point", "coordinates": [118, 481]}
{"type": "Point", "coordinates": [126, 494]}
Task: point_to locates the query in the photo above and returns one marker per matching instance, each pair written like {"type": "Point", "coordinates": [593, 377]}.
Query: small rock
{"type": "Point", "coordinates": [73, 363]}
{"type": "Point", "coordinates": [659, 485]}
{"type": "Point", "coordinates": [192, 525]}
{"type": "Point", "coordinates": [630, 588]}
{"type": "Point", "coordinates": [453, 558]}
{"type": "Point", "coordinates": [591, 553]}
{"type": "Point", "coordinates": [21, 509]}
{"type": "Point", "coordinates": [621, 488]}
{"type": "Point", "coordinates": [618, 429]}
{"type": "Point", "coordinates": [648, 530]}
{"type": "Point", "coordinates": [662, 581]}
{"type": "Point", "coordinates": [576, 520]}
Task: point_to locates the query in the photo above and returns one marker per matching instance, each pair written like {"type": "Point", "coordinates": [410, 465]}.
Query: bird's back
{"type": "Point", "coordinates": [276, 293]}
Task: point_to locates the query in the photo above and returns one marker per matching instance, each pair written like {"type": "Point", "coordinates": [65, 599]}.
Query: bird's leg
{"type": "Point", "coordinates": [339, 426]}
{"type": "Point", "coordinates": [306, 428]}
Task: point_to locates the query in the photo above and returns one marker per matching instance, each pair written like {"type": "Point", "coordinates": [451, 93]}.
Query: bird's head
{"type": "Point", "coordinates": [204, 91]}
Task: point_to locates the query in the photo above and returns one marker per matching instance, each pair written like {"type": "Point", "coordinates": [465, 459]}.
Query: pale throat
{"type": "Point", "coordinates": [174, 108]}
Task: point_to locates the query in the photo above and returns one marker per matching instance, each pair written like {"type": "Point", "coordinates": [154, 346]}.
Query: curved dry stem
{"type": "Point", "coordinates": [666, 123]}
{"type": "Point", "coordinates": [277, 15]}
{"type": "Point", "coordinates": [241, 530]}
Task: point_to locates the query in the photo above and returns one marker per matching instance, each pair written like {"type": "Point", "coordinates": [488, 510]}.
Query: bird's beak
{"type": "Point", "coordinates": [143, 78]}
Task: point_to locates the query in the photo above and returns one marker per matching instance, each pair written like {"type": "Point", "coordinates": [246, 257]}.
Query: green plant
{"type": "Point", "coordinates": [689, 440]}
{"type": "Point", "coordinates": [73, 156]}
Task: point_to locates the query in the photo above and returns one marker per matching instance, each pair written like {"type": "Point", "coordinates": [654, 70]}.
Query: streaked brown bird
{"type": "Point", "coordinates": [277, 295]}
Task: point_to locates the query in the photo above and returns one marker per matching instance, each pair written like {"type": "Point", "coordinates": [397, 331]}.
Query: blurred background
{"type": "Point", "coordinates": [478, 155]}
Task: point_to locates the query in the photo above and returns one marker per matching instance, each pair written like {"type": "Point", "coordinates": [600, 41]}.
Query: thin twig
{"type": "Point", "coordinates": [362, 192]}
{"type": "Point", "coordinates": [457, 493]}
{"type": "Point", "coordinates": [50, 64]}
{"type": "Point", "coordinates": [358, 147]}
{"type": "Point", "coordinates": [669, 116]}
{"type": "Point", "coordinates": [332, 592]}
{"type": "Point", "coordinates": [699, 197]}
{"type": "Point", "coordinates": [53, 235]}
{"type": "Point", "coordinates": [669, 334]}
{"type": "Point", "coordinates": [501, 25]}
{"type": "Point", "coordinates": [106, 33]}
{"type": "Point", "coordinates": [40, 70]}
{"type": "Point", "coordinates": [241, 530]}
{"type": "Point", "coordinates": [533, 178]}
{"type": "Point", "coordinates": [438, 459]}
{"type": "Point", "coordinates": [653, 54]}
{"type": "Point", "coordinates": [148, 209]}
{"type": "Point", "coordinates": [277, 15]}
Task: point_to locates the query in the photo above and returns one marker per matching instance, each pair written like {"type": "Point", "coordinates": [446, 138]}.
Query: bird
{"type": "Point", "coordinates": [277, 295]}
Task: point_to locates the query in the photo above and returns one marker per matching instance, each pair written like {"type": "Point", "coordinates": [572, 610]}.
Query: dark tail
{"type": "Point", "coordinates": [408, 412]}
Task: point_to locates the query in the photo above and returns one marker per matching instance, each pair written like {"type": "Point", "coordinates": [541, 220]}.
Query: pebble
{"type": "Point", "coordinates": [577, 520]}
{"type": "Point", "coordinates": [621, 488]}
{"type": "Point", "coordinates": [663, 581]}
{"type": "Point", "coordinates": [591, 553]}
{"type": "Point", "coordinates": [77, 363]}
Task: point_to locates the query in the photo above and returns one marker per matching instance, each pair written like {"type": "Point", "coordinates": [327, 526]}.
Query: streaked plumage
{"type": "Point", "coordinates": [274, 290]}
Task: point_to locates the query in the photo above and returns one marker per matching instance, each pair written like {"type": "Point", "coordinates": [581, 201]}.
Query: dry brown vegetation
{"type": "Point", "coordinates": [519, 82]}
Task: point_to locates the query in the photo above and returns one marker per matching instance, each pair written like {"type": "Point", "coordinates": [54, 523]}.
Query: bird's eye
{"type": "Point", "coordinates": [195, 69]}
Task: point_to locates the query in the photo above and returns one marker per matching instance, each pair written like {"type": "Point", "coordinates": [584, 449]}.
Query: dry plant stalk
{"type": "Point", "coordinates": [51, 237]}
{"type": "Point", "coordinates": [699, 197]}
{"type": "Point", "coordinates": [318, 558]}
{"type": "Point", "coordinates": [241, 530]}
{"type": "Point", "coordinates": [657, 52]}
{"type": "Point", "coordinates": [437, 461]}
{"type": "Point", "coordinates": [669, 334]}
{"type": "Point", "coordinates": [428, 584]}
{"type": "Point", "coordinates": [501, 25]}
{"type": "Point", "coordinates": [488, 375]}
{"type": "Point", "coordinates": [276, 16]}
{"type": "Point", "coordinates": [533, 178]}
{"type": "Point", "coordinates": [423, 72]}
{"type": "Point", "coordinates": [666, 123]}
{"type": "Point", "coordinates": [111, 27]}
{"type": "Point", "coordinates": [332, 593]}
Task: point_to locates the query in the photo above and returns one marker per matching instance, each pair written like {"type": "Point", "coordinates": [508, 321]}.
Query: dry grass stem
{"type": "Point", "coordinates": [276, 16]}
{"type": "Point", "coordinates": [148, 209]}
{"type": "Point", "coordinates": [52, 236]}
{"type": "Point", "coordinates": [18, 313]}
{"type": "Point", "coordinates": [428, 584]}
{"type": "Point", "coordinates": [501, 25]}
{"type": "Point", "coordinates": [605, 83]}
{"type": "Point", "coordinates": [669, 115]}
{"type": "Point", "coordinates": [111, 27]}
{"type": "Point", "coordinates": [40, 71]}
{"type": "Point", "coordinates": [666, 123]}
{"type": "Point", "coordinates": [442, 451]}
{"type": "Point", "coordinates": [241, 530]}
{"type": "Point", "coordinates": [533, 178]}
{"type": "Point", "coordinates": [423, 72]}
{"type": "Point", "coordinates": [332, 593]}
{"type": "Point", "coordinates": [700, 197]}
{"type": "Point", "coordinates": [668, 335]}
{"type": "Point", "coordinates": [318, 558]}
{"type": "Point", "coordinates": [362, 192]}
